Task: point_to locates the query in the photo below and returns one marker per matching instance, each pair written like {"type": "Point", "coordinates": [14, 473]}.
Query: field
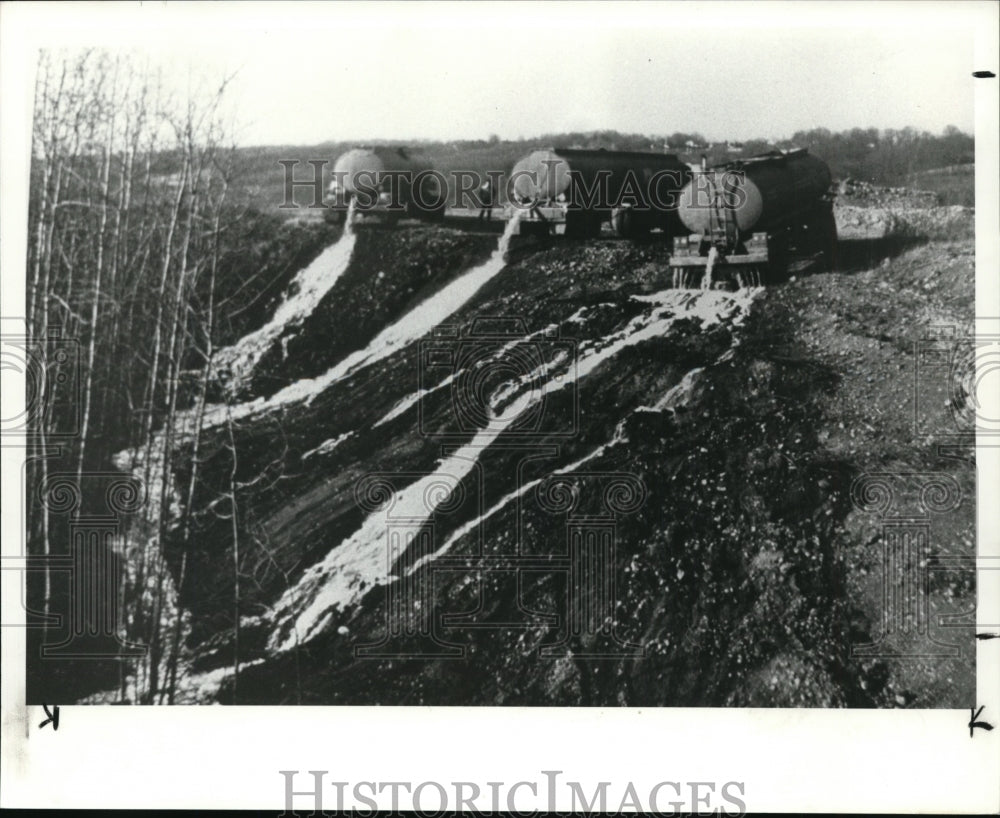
{"type": "Point", "coordinates": [954, 185]}
{"type": "Point", "coordinates": [850, 156]}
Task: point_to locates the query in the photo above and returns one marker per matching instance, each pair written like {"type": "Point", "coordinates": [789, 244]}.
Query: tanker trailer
{"type": "Point", "coordinates": [385, 180]}
{"type": "Point", "coordinates": [747, 217]}
{"type": "Point", "coordinates": [573, 192]}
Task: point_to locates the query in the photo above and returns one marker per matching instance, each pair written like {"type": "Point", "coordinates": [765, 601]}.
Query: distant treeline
{"type": "Point", "coordinates": [883, 157]}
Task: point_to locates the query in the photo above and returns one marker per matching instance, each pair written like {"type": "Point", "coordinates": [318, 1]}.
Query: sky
{"type": "Point", "coordinates": [309, 73]}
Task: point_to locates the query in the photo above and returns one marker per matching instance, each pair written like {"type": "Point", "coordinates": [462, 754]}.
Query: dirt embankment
{"type": "Point", "coordinates": [746, 575]}
{"type": "Point", "coordinates": [891, 326]}
{"type": "Point", "coordinates": [869, 212]}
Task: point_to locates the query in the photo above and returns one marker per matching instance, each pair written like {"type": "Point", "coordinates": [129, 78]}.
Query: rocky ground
{"type": "Point", "coordinates": [865, 194]}
{"type": "Point", "coordinates": [896, 410]}
{"type": "Point", "coordinates": [580, 487]}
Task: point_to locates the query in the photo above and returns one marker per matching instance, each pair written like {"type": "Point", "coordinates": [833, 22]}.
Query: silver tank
{"type": "Point", "coordinates": [760, 194]}
{"type": "Point", "coordinates": [373, 161]}
{"type": "Point", "coordinates": [547, 176]}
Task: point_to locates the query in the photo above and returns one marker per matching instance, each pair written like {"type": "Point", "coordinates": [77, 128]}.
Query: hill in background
{"type": "Point", "coordinates": [940, 163]}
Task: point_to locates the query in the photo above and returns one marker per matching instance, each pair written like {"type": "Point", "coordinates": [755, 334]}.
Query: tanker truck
{"type": "Point", "coordinates": [745, 219]}
{"type": "Point", "coordinates": [385, 180]}
{"type": "Point", "coordinates": [573, 192]}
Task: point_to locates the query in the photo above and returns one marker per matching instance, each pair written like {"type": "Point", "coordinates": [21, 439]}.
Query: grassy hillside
{"type": "Point", "coordinates": [940, 163]}
{"type": "Point", "coordinates": [954, 185]}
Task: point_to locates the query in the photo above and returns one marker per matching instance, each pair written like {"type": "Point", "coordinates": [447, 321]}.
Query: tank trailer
{"type": "Point", "coordinates": [365, 176]}
{"type": "Point", "coordinates": [745, 218]}
{"type": "Point", "coordinates": [573, 192]}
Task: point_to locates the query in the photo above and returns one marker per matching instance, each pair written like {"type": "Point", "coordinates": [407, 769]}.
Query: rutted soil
{"type": "Point", "coordinates": [727, 429]}
{"type": "Point", "coordinates": [384, 279]}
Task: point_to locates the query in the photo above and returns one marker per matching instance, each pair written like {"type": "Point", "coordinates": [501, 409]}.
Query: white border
{"type": "Point", "coordinates": [790, 760]}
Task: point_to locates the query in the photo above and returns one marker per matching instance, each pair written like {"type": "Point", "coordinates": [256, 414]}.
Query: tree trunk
{"type": "Point", "coordinates": [95, 309]}
{"type": "Point", "coordinates": [236, 559]}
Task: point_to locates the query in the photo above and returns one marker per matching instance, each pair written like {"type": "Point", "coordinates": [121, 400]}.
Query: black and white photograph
{"type": "Point", "coordinates": [516, 360]}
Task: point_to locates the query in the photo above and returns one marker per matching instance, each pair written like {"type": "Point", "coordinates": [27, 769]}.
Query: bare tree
{"type": "Point", "coordinates": [127, 215]}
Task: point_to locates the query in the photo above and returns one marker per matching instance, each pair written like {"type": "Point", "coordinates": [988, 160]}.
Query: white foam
{"type": "Point", "coordinates": [706, 280]}
{"type": "Point", "coordinates": [328, 446]}
{"type": "Point", "coordinates": [361, 561]}
{"type": "Point", "coordinates": [420, 320]}
{"type": "Point", "coordinates": [676, 395]}
{"type": "Point", "coordinates": [415, 397]}
{"type": "Point", "coordinates": [410, 400]}
{"type": "Point", "coordinates": [236, 363]}
{"type": "Point", "coordinates": [465, 528]}
{"type": "Point", "coordinates": [412, 326]}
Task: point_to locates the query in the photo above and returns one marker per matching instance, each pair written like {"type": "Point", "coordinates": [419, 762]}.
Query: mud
{"type": "Point", "coordinates": [727, 427]}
